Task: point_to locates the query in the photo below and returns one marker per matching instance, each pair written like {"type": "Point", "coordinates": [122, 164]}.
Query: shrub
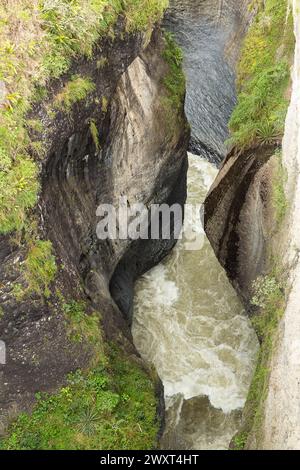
{"type": "Point", "coordinates": [141, 14]}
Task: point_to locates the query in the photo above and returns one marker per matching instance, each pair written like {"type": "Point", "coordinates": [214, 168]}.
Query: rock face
{"type": "Point", "coordinates": [139, 155]}
{"type": "Point", "coordinates": [238, 216]}
{"type": "Point", "coordinates": [239, 225]}
{"type": "Point", "coordinates": [281, 426]}
{"type": "Point", "coordinates": [210, 33]}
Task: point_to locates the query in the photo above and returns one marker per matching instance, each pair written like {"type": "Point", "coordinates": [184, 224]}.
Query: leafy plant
{"type": "Point", "coordinates": [88, 420]}
{"type": "Point", "coordinates": [265, 288]}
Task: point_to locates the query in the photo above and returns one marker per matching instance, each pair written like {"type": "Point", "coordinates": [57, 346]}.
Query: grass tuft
{"type": "Point", "coordinates": [279, 198]}
{"type": "Point", "coordinates": [75, 90]}
{"type": "Point", "coordinates": [95, 134]}
{"type": "Point", "coordinates": [40, 267]}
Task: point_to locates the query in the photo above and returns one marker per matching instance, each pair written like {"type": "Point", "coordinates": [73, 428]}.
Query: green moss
{"type": "Point", "coordinates": [18, 291]}
{"type": "Point", "coordinates": [174, 81]}
{"type": "Point", "coordinates": [38, 42]}
{"type": "Point", "coordinates": [263, 78]}
{"type": "Point", "coordinates": [110, 407]}
{"type": "Point", "coordinates": [40, 267]}
{"type": "Point", "coordinates": [75, 90]}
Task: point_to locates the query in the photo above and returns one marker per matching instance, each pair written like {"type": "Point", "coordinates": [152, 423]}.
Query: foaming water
{"type": "Point", "coordinates": [190, 324]}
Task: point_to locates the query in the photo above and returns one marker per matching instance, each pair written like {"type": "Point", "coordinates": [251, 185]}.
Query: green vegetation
{"type": "Point", "coordinates": [258, 119]}
{"type": "Point", "coordinates": [240, 440]}
{"type": "Point", "coordinates": [82, 327]}
{"type": "Point", "coordinates": [141, 14]}
{"type": "Point", "coordinates": [175, 79]}
{"type": "Point", "coordinates": [38, 42]}
{"type": "Point", "coordinates": [76, 89]}
{"type": "Point", "coordinates": [18, 182]}
{"type": "Point", "coordinates": [279, 199]}
{"type": "Point", "coordinates": [112, 406]}
{"type": "Point", "coordinates": [264, 76]}
{"type": "Point", "coordinates": [104, 104]}
{"type": "Point", "coordinates": [95, 134]}
{"type": "Point", "coordinates": [40, 268]}
{"type": "Point", "coordinates": [269, 298]}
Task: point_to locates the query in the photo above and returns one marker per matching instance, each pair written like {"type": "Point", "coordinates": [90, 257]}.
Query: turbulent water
{"type": "Point", "coordinates": [190, 324]}
{"type": "Point", "coordinates": [188, 320]}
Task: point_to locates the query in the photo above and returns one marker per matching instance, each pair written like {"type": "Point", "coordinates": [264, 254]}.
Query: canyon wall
{"type": "Point", "coordinates": [281, 423]}
{"type": "Point", "coordinates": [125, 139]}
{"type": "Point", "coordinates": [255, 235]}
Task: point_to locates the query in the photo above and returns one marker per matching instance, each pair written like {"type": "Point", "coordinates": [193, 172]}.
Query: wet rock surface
{"type": "Point", "coordinates": [238, 213]}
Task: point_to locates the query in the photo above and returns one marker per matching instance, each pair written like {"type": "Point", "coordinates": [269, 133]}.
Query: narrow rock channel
{"type": "Point", "coordinates": [190, 324]}
{"type": "Point", "coordinates": [188, 320]}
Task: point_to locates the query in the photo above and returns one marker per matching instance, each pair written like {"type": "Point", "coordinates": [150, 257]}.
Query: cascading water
{"type": "Point", "coordinates": [187, 319]}
{"type": "Point", "coordinates": [189, 323]}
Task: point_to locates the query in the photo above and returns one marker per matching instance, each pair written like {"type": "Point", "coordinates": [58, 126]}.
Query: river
{"type": "Point", "coordinates": [188, 320]}
{"type": "Point", "coordinates": [190, 324]}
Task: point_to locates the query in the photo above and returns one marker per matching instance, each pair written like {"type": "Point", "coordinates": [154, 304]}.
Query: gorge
{"type": "Point", "coordinates": [146, 344]}
{"type": "Point", "coordinates": [187, 320]}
